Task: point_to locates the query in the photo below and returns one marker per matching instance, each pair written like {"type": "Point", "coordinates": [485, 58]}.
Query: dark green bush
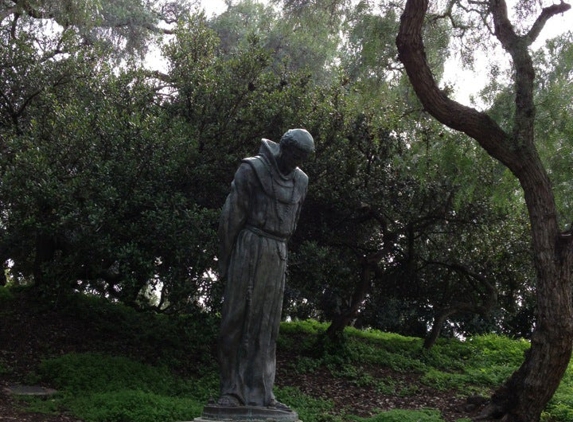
{"type": "Point", "coordinates": [134, 406]}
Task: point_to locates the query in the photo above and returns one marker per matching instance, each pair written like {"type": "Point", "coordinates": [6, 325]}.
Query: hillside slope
{"type": "Point", "coordinates": [371, 381]}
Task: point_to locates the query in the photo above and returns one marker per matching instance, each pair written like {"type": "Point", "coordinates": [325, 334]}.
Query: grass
{"type": "Point", "coordinates": [4, 369]}
{"type": "Point", "coordinates": [428, 415]}
{"type": "Point", "coordinates": [100, 388]}
{"type": "Point", "coordinates": [5, 294]}
{"type": "Point", "coordinates": [467, 367]}
{"type": "Point", "coordinates": [308, 408]}
{"type": "Point", "coordinates": [108, 387]}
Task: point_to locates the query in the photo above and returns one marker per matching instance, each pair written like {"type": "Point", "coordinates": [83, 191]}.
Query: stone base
{"type": "Point", "coordinates": [29, 390]}
{"type": "Point", "coordinates": [216, 413]}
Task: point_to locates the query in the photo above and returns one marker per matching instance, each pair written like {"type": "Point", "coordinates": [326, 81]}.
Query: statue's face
{"type": "Point", "coordinates": [292, 157]}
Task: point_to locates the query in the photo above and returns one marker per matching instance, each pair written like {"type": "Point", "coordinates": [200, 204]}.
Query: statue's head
{"type": "Point", "coordinates": [295, 147]}
{"type": "Point", "coordinates": [299, 138]}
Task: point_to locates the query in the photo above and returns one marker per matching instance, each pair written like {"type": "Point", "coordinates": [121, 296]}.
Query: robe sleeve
{"type": "Point", "coordinates": [234, 215]}
{"type": "Point", "coordinates": [302, 182]}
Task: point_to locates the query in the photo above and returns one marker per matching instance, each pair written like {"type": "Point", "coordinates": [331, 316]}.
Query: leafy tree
{"type": "Point", "coordinates": [553, 90]}
{"type": "Point", "coordinates": [55, 52]}
{"type": "Point", "coordinates": [102, 195]}
{"type": "Point", "coordinates": [301, 37]}
{"type": "Point", "coordinates": [391, 214]}
{"type": "Point", "coordinates": [125, 25]}
{"type": "Point", "coordinates": [527, 391]}
{"type": "Point", "coordinates": [95, 189]}
{"type": "Point", "coordinates": [112, 179]}
{"type": "Point", "coordinates": [384, 232]}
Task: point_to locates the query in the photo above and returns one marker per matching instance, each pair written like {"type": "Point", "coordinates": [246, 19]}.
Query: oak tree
{"type": "Point", "coordinates": [524, 395]}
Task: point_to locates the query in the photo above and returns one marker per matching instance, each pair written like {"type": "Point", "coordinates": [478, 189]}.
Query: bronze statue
{"type": "Point", "coordinates": [259, 216]}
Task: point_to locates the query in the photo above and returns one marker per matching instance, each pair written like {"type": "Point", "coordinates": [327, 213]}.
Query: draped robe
{"type": "Point", "coordinates": [259, 216]}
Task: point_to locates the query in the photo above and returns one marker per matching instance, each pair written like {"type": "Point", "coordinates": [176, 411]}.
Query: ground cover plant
{"type": "Point", "coordinates": [103, 367]}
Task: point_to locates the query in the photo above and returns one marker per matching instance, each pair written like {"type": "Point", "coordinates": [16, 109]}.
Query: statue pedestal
{"type": "Point", "coordinates": [215, 413]}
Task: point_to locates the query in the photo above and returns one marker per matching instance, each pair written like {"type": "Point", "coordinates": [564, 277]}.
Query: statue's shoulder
{"type": "Point", "coordinates": [253, 165]}
{"type": "Point", "coordinates": [301, 177]}
{"type": "Point", "coordinates": [257, 166]}
{"type": "Point", "coordinates": [254, 169]}
{"type": "Point", "coordinates": [247, 167]}
{"type": "Point", "coordinates": [255, 162]}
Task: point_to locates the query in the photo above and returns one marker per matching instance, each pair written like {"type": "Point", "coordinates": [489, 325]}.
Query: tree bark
{"type": "Point", "coordinates": [44, 255]}
{"type": "Point", "coordinates": [343, 320]}
{"type": "Point", "coordinates": [369, 270]}
{"type": "Point", "coordinates": [439, 321]}
{"type": "Point", "coordinates": [523, 397]}
{"type": "Point", "coordinates": [486, 292]}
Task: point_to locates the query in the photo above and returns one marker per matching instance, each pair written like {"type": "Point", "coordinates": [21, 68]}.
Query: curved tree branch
{"type": "Point", "coordinates": [24, 7]}
{"type": "Point", "coordinates": [451, 113]}
{"type": "Point", "coordinates": [525, 394]}
{"type": "Point", "coordinates": [546, 14]}
{"type": "Point", "coordinates": [7, 12]}
{"type": "Point", "coordinates": [516, 46]}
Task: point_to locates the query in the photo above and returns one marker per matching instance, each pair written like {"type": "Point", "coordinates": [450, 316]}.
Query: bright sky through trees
{"type": "Point", "coordinates": [465, 82]}
{"type": "Point", "coordinates": [213, 6]}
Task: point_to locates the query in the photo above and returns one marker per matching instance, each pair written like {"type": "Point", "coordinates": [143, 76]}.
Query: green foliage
{"type": "Point", "coordinates": [124, 27]}
{"type": "Point", "coordinates": [103, 154]}
{"type": "Point", "coordinates": [560, 407]}
{"type": "Point", "coordinates": [308, 408]}
{"type": "Point", "coordinates": [405, 416]}
{"type": "Point", "coordinates": [183, 342]}
{"type": "Point", "coordinates": [554, 126]}
{"type": "Point", "coordinates": [112, 180]}
{"type": "Point", "coordinates": [305, 327]}
{"type": "Point", "coordinates": [481, 362]}
{"type": "Point", "coordinates": [384, 220]}
{"type": "Point", "coordinates": [101, 388]}
{"type": "Point", "coordinates": [91, 373]}
{"type": "Point", "coordinates": [473, 366]}
{"type": "Point", "coordinates": [135, 406]}
{"type": "Point", "coordinates": [5, 294]}
{"type": "Point", "coordinates": [306, 364]}
{"type": "Point", "coordinates": [165, 370]}
{"type": "Point", "coordinates": [371, 49]}
{"type": "Point", "coordinates": [397, 353]}
{"type": "Point", "coordinates": [299, 38]}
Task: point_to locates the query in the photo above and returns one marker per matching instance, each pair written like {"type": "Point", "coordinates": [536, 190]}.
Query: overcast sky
{"type": "Point", "coordinates": [213, 6]}
{"type": "Point", "coordinates": [556, 25]}
{"type": "Point", "coordinates": [465, 82]}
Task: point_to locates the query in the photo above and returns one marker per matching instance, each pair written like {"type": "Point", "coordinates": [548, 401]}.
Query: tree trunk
{"type": "Point", "coordinates": [524, 396]}
{"type": "Point", "coordinates": [4, 257]}
{"type": "Point", "coordinates": [3, 279]}
{"type": "Point", "coordinates": [340, 322]}
{"type": "Point", "coordinates": [44, 251]}
{"type": "Point", "coordinates": [482, 306]}
{"type": "Point", "coordinates": [439, 320]}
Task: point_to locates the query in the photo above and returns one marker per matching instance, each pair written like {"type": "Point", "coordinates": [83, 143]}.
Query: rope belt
{"type": "Point", "coordinates": [263, 233]}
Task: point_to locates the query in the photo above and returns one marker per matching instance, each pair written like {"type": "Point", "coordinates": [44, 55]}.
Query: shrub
{"type": "Point", "coordinates": [134, 406]}
{"type": "Point", "coordinates": [406, 416]}
{"type": "Point", "coordinates": [309, 409]}
{"type": "Point", "coordinates": [91, 372]}
{"type": "Point", "coordinates": [100, 388]}
{"type": "Point", "coordinates": [5, 294]}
